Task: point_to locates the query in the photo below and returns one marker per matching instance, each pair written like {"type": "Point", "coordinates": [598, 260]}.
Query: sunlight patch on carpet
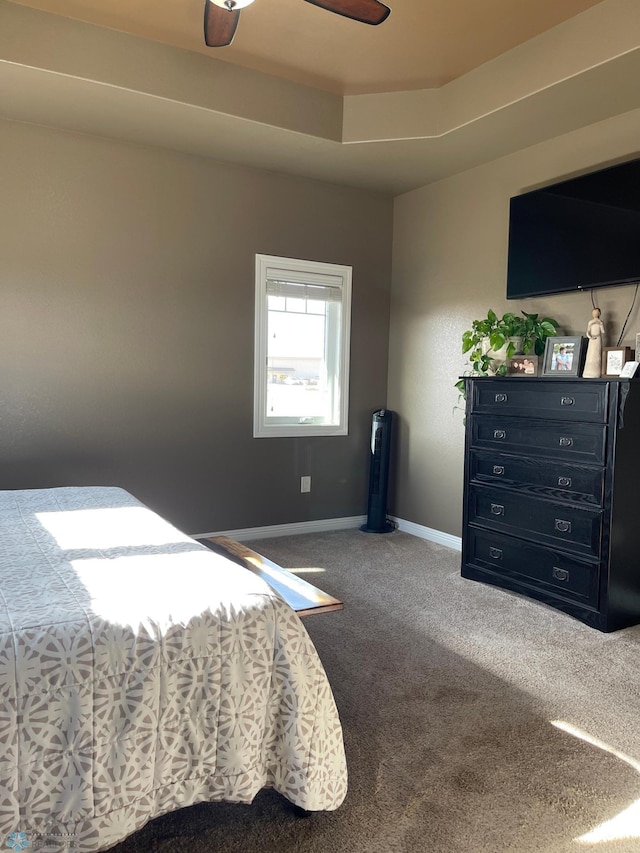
{"type": "Point", "coordinates": [624, 825]}
{"type": "Point", "coordinates": [308, 571]}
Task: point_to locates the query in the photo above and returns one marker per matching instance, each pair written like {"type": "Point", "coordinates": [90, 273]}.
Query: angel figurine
{"type": "Point", "coordinates": [595, 333]}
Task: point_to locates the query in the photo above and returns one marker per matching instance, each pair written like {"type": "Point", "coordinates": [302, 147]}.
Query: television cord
{"type": "Point", "coordinates": [628, 315]}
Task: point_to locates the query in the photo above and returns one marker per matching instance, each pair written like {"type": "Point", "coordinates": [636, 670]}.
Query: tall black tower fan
{"type": "Point", "coordinates": [377, 521]}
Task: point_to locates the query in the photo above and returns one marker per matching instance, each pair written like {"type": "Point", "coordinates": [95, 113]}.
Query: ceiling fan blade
{"type": "Point", "coordinates": [219, 25]}
{"type": "Point", "coordinates": [365, 11]}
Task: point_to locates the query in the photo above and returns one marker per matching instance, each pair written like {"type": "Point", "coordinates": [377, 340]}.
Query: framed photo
{"type": "Point", "coordinates": [563, 356]}
{"type": "Point", "coordinates": [638, 347]}
{"type": "Point", "coordinates": [523, 365]}
{"type": "Point", "coordinates": [629, 370]}
{"type": "Point", "coordinates": [614, 359]}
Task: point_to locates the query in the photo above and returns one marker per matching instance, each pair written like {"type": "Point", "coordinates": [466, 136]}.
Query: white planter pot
{"type": "Point", "coordinates": [499, 357]}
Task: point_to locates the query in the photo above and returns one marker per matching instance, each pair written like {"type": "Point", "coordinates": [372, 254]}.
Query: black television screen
{"type": "Point", "coordinates": [577, 234]}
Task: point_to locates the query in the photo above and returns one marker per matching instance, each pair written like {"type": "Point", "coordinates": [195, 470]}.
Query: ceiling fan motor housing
{"type": "Point", "coordinates": [231, 5]}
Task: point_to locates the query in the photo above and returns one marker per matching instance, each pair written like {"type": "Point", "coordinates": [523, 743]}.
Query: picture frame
{"type": "Point", "coordinates": [629, 370]}
{"type": "Point", "coordinates": [564, 356]}
{"type": "Point", "coordinates": [523, 365]}
{"type": "Point", "coordinates": [614, 359]}
{"type": "Point", "coordinates": [638, 346]}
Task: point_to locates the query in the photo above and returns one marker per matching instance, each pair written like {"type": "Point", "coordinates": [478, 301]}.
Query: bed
{"type": "Point", "coordinates": [141, 672]}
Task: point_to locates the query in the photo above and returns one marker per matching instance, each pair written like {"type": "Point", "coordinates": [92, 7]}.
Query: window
{"type": "Point", "coordinates": [303, 317]}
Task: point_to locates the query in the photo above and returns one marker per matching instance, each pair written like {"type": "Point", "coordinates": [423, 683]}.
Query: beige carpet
{"type": "Point", "coordinates": [448, 690]}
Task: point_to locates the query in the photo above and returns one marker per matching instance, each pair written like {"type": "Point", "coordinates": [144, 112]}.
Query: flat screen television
{"type": "Point", "coordinates": [576, 234]}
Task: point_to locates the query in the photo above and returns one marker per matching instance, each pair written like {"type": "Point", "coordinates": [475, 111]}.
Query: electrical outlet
{"type": "Point", "coordinates": [305, 484]}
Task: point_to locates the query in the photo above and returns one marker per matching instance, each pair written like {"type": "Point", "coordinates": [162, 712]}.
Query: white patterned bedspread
{"type": "Point", "coordinates": [141, 672]}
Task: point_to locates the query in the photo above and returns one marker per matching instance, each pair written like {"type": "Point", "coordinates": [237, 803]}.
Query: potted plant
{"type": "Point", "coordinates": [492, 340]}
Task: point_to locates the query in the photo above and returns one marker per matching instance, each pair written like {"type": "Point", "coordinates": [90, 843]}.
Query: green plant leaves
{"type": "Point", "coordinates": [467, 341]}
{"type": "Point", "coordinates": [497, 340]}
{"type": "Point", "coordinates": [498, 330]}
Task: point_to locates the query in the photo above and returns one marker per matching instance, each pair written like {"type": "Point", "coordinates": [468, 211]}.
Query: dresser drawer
{"type": "Point", "coordinates": [558, 480]}
{"type": "Point", "coordinates": [559, 525]}
{"type": "Point", "coordinates": [542, 569]}
{"type": "Point", "coordinates": [577, 442]}
{"type": "Point", "coordinates": [555, 398]}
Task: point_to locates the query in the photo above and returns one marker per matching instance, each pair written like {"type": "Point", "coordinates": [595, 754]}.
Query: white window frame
{"type": "Point", "coordinates": [269, 268]}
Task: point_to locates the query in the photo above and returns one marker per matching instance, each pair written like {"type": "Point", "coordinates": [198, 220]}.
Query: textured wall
{"type": "Point", "coordinates": [449, 267]}
{"type": "Point", "coordinates": [126, 312]}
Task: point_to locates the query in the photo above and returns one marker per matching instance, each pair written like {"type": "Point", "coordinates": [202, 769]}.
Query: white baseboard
{"type": "Point", "coordinates": [326, 525]}
{"type": "Point", "coordinates": [322, 525]}
{"type": "Point", "coordinates": [429, 533]}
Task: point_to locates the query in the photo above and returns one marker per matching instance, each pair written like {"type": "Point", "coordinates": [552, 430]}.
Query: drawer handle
{"type": "Point", "coordinates": [566, 442]}
{"type": "Point", "coordinates": [560, 574]}
{"type": "Point", "coordinates": [495, 553]}
{"type": "Point", "coordinates": [499, 434]}
{"type": "Point", "coordinates": [498, 469]}
{"type": "Point", "coordinates": [563, 526]}
{"type": "Point", "coordinates": [564, 481]}
{"type": "Point", "coordinates": [501, 398]}
{"type": "Point", "coordinates": [567, 401]}
{"type": "Point", "coordinates": [497, 509]}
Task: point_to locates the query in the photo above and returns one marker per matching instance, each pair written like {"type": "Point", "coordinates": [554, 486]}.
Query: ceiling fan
{"type": "Point", "coordinates": [221, 16]}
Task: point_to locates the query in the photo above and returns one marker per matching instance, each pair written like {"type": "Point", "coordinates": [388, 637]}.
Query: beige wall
{"type": "Point", "coordinates": [126, 287]}
{"type": "Point", "coordinates": [449, 267]}
{"type": "Point", "coordinates": [127, 321]}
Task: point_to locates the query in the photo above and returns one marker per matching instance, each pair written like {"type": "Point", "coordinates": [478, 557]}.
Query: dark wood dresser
{"type": "Point", "coordinates": [552, 493]}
